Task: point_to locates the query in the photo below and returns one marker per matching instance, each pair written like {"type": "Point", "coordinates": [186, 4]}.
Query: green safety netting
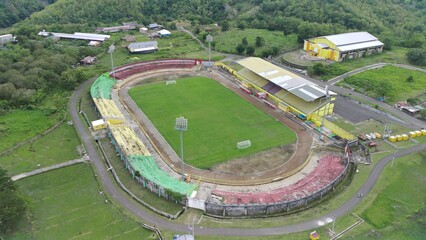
{"type": "Point", "coordinates": [149, 169]}
{"type": "Point", "coordinates": [102, 87]}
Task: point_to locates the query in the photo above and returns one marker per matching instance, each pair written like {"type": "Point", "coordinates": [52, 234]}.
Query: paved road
{"type": "Point", "coordinates": [143, 214]}
{"type": "Point", "coordinates": [49, 168]}
{"type": "Point", "coordinates": [410, 122]}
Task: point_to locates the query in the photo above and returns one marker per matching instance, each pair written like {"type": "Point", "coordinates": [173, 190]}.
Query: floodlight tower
{"type": "Point", "coordinates": [209, 39]}
{"type": "Point", "coordinates": [181, 125]}
{"type": "Point", "coordinates": [327, 101]}
{"type": "Point", "coordinates": [110, 51]}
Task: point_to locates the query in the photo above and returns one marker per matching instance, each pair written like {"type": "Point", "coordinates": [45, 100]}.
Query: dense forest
{"type": "Point", "coordinates": [13, 11]}
{"type": "Point", "coordinates": [36, 66]}
{"type": "Point", "coordinates": [396, 21]}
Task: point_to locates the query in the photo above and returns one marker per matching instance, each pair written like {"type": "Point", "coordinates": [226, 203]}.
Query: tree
{"type": "Point", "coordinates": [423, 113]}
{"type": "Point", "coordinates": [410, 79]}
{"type": "Point", "coordinates": [241, 25]}
{"type": "Point", "coordinates": [260, 41]}
{"type": "Point", "coordinates": [240, 48]}
{"type": "Point", "coordinates": [266, 53]}
{"type": "Point", "coordinates": [250, 50]}
{"type": "Point", "coordinates": [244, 41]}
{"type": "Point", "coordinates": [413, 101]}
{"type": "Point", "coordinates": [319, 69]}
{"type": "Point", "coordinates": [13, 205]}
{"type": "Point", "coordinates": [225, 26]}
{"type": "Point", "coordinates": [417, 56]}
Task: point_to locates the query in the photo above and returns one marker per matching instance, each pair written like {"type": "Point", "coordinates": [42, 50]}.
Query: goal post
{"type": "Point", "coordinates": [244, 144]}
{"type": "Point", "coordinates": [170, 82]}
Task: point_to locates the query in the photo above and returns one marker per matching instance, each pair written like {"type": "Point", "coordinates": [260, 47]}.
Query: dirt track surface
{"type": "Point", "coordinates": [289, 166]}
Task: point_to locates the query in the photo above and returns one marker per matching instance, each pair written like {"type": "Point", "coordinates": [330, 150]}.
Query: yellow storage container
{"type": "Point", "coordinates": [423, 132]}
{"type": "Point", "coordinates": [378, 135]}
{"type": "Point", "coordinates": [418, 133]}
{"type": "Point", "coordinates": [392, 138]}
{"type": "Point", "coordinates": [412, 134]}
{"type": "Point", "coordinates": [404, 137]}
{"type": "Point", "coordinates": [398, 138]}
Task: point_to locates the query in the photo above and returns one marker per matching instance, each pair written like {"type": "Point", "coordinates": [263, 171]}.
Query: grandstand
{"type": "Point", "coordinates": [300, 95]}
{"type": "Point", "coordinates": [328, 170]}
{"type": "Point", "coordinates": [131, 149]}
{"type": "Point", "coordinates": [134, 68]}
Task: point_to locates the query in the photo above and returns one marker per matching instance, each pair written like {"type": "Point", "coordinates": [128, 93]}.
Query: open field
{"type": "Point", "coordinates": [67, 204]}
{"type": "Point", "coordinates": [397, 55]}
{"type": "Point", "coordinates": [395, 209]}
{"type": "Point", "coordinates": [217, 120]}
{"type": "Point", "coordinates": [228, 41]}
{"type": "Point", "coordinates": [390, 80]}
{"type": "Point", "coordinates": [58, 146]}
{"type": "Point", "coordinates": [19, 125]}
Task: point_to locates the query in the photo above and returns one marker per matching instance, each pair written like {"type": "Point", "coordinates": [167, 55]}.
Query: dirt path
{"type": "Point", "coordinates": [288, 166]}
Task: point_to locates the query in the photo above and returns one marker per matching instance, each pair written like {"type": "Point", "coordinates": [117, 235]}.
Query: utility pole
{"type": "Point", "coordinates": [110, 51]}
{"type": "Point", "coordinates": [181, 125]}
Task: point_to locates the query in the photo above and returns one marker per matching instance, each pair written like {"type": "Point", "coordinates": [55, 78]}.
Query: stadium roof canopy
{"type": "Point", "coordinates": [288, 81]}
{"type": "Point", "coordinates": [353, 41]}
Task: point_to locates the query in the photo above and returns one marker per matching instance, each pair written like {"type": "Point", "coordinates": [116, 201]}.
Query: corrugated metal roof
{"type": "Point", "coordinates": [82, 36]}
{"type": "Point", "coordinates": [143, 44]}
{"type": "Point", "coordinates": [164, 32]}
{"type": "Point", "coordinates": [288, 81]}
{"type": "Point", "coordinates": [350, 38]}
{"type": "Point", "coordinates": [357, 46]}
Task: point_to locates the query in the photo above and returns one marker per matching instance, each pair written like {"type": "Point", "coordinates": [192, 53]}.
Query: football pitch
{"type": "Point", "coordinates": [217, 120]}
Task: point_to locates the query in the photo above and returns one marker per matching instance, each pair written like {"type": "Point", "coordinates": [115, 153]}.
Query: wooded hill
{"type": "Point", "coordinates": [395, 21]}
{"type": "Point", "coordinates": [13, 11]}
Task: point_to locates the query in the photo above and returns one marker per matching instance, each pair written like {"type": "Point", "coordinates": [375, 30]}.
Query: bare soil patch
{"type": "Point", "coordinates": [258, 162]}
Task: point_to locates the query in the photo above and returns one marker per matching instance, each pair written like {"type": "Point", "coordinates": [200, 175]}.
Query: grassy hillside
{"type": "Point", "coordinates": [60, 202]}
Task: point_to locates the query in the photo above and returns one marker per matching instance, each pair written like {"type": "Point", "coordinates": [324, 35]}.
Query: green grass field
{"type": "Point", "coordinates": [395, 78]}
{"type": "Point", "coordinates": [228, 41]}
{"type": "Point", "coordinates": [67, 204]}
{"type": "Point", "coordinates": [58, 146]}
{"type": "Point", "coordinates": [19, 125]}
{"type": "Point", "coordinates": [397, 55]}
{"type": "Point", "coordinates": [217, 120]}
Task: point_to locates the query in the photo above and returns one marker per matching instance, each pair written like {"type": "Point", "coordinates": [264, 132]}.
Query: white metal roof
{"type": "Point", "coordinates": [143, 46]}
{"type": "Point", "coordinates": [98, 122]}
{"type": "Point", "coordinates": [164, 32]}
{"type": "Point", "coordinates": [82, 36]}
{"type": "Point", "coordinates": [362, 45]}
{"type": "Point", "coordinates": [350, 38]}
{"type": "Point", "coordinates": [288, 81]}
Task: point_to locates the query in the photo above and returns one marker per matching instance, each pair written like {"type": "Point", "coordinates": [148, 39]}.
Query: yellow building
{"type": "Point", "coordinates": [343, 46]}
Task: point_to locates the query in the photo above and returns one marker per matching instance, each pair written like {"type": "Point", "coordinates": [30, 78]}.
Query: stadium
{"type": "Point", "coordinates": [283, 168]}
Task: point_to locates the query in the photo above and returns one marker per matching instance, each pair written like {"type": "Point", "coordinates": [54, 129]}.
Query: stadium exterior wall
{"type": "Point", "coordinates": [257, 209]}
